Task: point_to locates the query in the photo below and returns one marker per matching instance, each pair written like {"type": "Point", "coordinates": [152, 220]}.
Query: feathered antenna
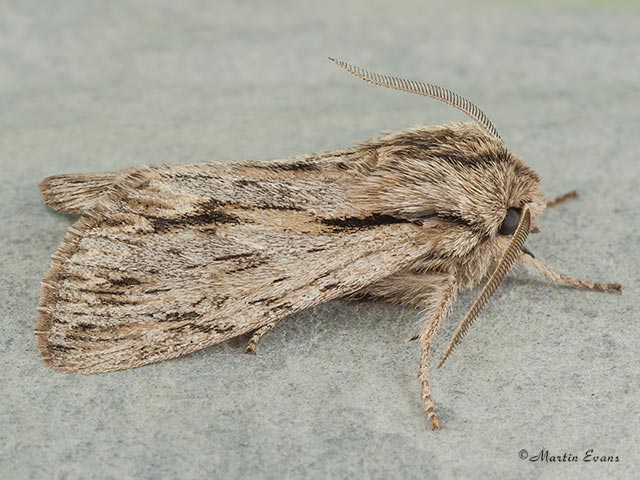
{"type": "Point", "coordinates": [506, 262]}
{"type": "Point", "coordinates": [426, 89]}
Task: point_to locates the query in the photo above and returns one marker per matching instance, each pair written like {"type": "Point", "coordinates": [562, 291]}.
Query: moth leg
{"type": "Point", "coordinates": [573, 282]}
{"type": "Point", "coordinates": [257, 335]}
{"type": "Point", "coordinates": [561, 198]}
{"type": "Point", "coordinates": [435, 313]}
{"type": "Point", "coordinates": [435, 293]}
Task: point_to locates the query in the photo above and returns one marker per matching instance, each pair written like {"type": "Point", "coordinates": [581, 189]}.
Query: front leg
{"type": "Point", "coordinates": [435, 313]}
{"type": "Point", "coordinates": [561, 198]}
{"type": "Point", "coordinates": [435, 293]}
{"type": "Point", "coordinates": [573, 282]}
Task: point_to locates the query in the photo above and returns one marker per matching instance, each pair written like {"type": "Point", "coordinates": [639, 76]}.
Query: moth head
{"type": "Point", "coordinates": [508, 259]}
{"type": "Point", "coordinates": [522, 188]}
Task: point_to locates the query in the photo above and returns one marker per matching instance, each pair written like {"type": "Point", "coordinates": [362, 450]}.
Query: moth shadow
{"type": "Point", "coordinates": [332, 325]}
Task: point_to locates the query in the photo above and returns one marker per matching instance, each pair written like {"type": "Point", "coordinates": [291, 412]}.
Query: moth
{"type": "Point", "coordinates": [166, 260]}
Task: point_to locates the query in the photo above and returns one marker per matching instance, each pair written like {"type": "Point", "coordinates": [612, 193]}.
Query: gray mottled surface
{"type": "Point", "coordinates": [94, 86]}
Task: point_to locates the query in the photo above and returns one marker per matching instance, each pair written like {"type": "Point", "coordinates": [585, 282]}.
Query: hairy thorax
{"type": "Point", "coordinates": [469, 270]}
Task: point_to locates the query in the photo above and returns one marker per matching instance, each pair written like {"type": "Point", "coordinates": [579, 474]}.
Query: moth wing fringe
{"type": "Point", "coordinates": [114, 193]}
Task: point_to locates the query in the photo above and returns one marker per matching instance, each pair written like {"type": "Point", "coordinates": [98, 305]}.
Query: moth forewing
{"type": "Point", "coordinates": [144, 279]}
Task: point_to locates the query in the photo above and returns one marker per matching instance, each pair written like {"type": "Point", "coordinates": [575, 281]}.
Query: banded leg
{"type": "Point", "coordinates": [435, 313]}
{"type": "Point", "coordinates": [573, 282]}
{"type": "Point", "coordinates": [561, 198]}
{"type": "Point", "coordinates": [257, 335]}
{"type": "Point", "coordinates": [434, 292]}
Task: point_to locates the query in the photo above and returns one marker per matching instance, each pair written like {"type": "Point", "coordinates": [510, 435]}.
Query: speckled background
{"type": "Point", "coordinates": [95, 86]}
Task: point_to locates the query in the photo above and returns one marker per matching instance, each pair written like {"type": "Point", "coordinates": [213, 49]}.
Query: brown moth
{"type": "Point", "coordinates": [167, 260]}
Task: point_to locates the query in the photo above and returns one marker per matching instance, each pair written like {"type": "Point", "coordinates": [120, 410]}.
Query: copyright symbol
{"type": "Point", "coordinates": [523, 454]}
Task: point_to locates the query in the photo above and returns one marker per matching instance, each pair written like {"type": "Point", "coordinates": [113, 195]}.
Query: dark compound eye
{"type": "Point", "coordinates": [510, 222]}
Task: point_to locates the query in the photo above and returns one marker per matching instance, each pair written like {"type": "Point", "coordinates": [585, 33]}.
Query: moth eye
{"type": "Point", "coordinates": [510, 222]}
